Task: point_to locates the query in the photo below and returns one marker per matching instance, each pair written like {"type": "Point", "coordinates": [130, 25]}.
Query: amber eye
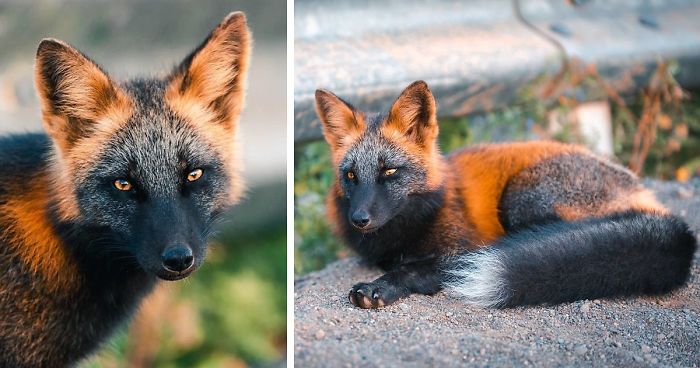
{"type": "Point", "coordinates": [350, 175]}
{"type": "Point", "coordinates": [389, 172]}
{"type": "Point", "coordinates": [122, 184]}
{"type": "Point", "coordinates": [195, 175]}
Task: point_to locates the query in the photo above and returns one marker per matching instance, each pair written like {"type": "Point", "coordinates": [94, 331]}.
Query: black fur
{"type": "Point", "coordinates": [396, 248]}
{"type": "Point", "coordinates": [400, 237]}
{"type": "Point", "coordinates": [578, 181]}
{"type": "Point", "coordinates": [619, 255]}
{"type": "Point", "coordinates": [421, 276]}
{"type": "Point", "coordinates": [155, 150]}
{"type": "Point", "coordinates": [114, 284]}
{"type": "Point", "coordinates": [124, 190]}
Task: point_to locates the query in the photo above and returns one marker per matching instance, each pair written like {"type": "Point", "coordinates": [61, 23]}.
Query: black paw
{"type": "Point", "coordinates": [375, 295]}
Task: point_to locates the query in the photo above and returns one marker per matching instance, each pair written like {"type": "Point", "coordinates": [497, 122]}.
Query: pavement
{"type": "Point", "coordinates": [441, 330]}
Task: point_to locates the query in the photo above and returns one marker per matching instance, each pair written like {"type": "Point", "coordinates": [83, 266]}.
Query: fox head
{"type": "Point", "coordinates": [383, 161]}
{"type": "Point", "coordinates": [150, 162]}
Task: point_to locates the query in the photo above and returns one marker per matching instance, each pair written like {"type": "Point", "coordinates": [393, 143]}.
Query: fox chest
{"type": "Point", "coordinates": [44, 329]}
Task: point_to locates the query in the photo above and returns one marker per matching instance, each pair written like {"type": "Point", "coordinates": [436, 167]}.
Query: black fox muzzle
{"type": "Point", "coordinates": [178, 258]}
{"type": "Point", "coordinates": [360, 219]}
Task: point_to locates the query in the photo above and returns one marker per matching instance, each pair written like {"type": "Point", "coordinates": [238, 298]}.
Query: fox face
{"type": "Point", "coordinates": [149, 164]}
{"type": "Point", "coordinates": [384, 161]}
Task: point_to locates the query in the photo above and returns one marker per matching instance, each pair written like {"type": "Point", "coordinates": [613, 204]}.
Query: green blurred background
{"type": "Point", "coordinates": [232, 312]}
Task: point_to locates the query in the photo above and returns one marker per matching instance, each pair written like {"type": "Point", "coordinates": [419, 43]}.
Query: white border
{"type": "Point", "coordinates": [290, 183]}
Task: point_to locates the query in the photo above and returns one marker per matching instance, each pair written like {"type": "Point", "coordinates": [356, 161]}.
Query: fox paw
{"type": "Point", "coordinates": [373, 295]}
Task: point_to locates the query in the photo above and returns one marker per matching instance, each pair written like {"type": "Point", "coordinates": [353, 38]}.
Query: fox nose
{"type": "Point", "coordinates": [360, 219]}
{"type": "Point", "coordinates": [177, 258]}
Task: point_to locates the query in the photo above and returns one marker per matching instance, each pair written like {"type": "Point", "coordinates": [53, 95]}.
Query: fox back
{"type": "Point", "coordinates": [122, 190]}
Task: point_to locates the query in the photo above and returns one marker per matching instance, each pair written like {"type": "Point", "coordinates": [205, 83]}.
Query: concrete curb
{"type": "Point", "coordinates": [476, 55]}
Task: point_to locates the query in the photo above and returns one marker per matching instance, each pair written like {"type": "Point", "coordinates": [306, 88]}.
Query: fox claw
{"type": "Point", "coordinates": [381, 295]}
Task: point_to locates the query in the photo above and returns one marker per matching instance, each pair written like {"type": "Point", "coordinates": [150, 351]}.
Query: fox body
{"type": "Point", "coordinates": [122, 190]}
{"type": "Point", "coordinates": [501, 224]}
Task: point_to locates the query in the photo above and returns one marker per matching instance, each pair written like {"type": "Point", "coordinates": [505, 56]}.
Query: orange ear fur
{"type": "Point", "coordinates": [341, 123]}
{"type": "Point", "coordinates": [209, 85]}
{"type": "Point", "coordinates": [413, 114]}
{"type": "Point", "coordinates": [76, 95]}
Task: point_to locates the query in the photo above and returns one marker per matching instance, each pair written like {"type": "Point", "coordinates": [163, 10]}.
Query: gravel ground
{"type": "Point", "coordinates": [440, 330]}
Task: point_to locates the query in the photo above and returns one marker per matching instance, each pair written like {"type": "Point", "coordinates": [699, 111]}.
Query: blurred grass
{"type": "Point", "coordinates": [314, 244]}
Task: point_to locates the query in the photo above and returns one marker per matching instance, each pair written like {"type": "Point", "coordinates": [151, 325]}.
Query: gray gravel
{"type": "Point", "coordinates": [441, 330]}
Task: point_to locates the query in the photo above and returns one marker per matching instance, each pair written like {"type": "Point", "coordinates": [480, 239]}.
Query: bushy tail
{"type": "Point", "coordinates": [625, 254]}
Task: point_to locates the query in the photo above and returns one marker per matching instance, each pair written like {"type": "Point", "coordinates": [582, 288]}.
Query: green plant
{"type": "Point", "coordinates": [314, 243]}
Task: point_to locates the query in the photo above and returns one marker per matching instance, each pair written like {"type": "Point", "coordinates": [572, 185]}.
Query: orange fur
{"type": "Point", "coordinates": [214, 81]}
{"type": "Point", "coordinates": [34, 238]}
{"type": "Point", "coordinates": [641, 200]}
{"type": "Point", "coordinates": [91, 109]}
{"type": "Point", "coordinates": [483, 173]}
{"type": "Point", "coordinates": [475, 177]}
{"type": "Point", "coordinates": [68, 166]}
{"type": "Point", "coordinates": [89, 95]}
{"type": "Point", "coordinates": [209, 93]}
{"type": "Point", "coordinates": [412, 124]}
{"type": "Point", "coordinates": [413, 115]}
{"type": "Point", "coordinates": [342, 125]}
{"type": "Point", "coordinates": [428, 154]}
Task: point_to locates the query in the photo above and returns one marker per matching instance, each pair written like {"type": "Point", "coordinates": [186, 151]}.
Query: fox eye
{"type": "Point", "coordinates": [350, 175]}
{"type": "Point", "coordinates": [389, 172]}
{"type": "Point", "coordinates": [123, 184]}
{"type": "Point", "coordinates": [194, 175]}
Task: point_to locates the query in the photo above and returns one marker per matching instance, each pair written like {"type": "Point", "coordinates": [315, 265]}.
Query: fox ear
{"type": "Point", "coordinates": [340, 122]}
{"type": "Point", "coordinates": [413, 114]}
{"type": "Point", "coordinates": [210, 83]}
{"type": "Point", "coordinates": [75, 94]}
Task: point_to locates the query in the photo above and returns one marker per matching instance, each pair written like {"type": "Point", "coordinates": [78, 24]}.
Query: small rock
{"type": "Point", "coordinates": [320, 334]}
{"type": "Point", "coordinates": [585, 308]}
{"type": "Point", "coordinates": [581, 349]}
{"type": "Point", "coordinates": [684, 193]}
{"type": "Point", "coordinates": [645, 349]}
{"type": "Point", "coordinates": [617, 344]}
{"type": "Point", "coordinates": [660, 336]}
{"type": "Point", "coordinates": [637, 358]}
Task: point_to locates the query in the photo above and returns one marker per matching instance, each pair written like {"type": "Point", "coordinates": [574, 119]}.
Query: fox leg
{"type": "Point", "coordinates": [414, 277]}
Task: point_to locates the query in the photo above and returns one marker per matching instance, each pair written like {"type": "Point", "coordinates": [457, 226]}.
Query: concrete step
{"type": "Point", "coordinates": [477, 54]}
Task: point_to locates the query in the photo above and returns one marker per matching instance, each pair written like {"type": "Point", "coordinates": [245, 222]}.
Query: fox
{"type": "Point", "coordinates": [499, 225]}
{"type": "Point", "coordinates": [122, 190]}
